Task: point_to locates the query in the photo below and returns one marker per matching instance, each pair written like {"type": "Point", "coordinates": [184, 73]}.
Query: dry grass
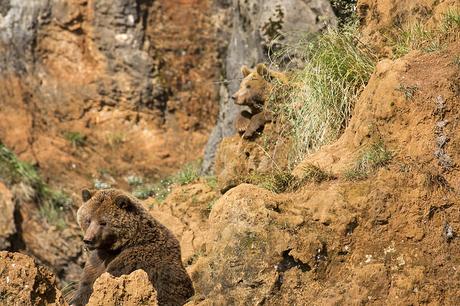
{"type": "Point", "coordinates": [318, 102]}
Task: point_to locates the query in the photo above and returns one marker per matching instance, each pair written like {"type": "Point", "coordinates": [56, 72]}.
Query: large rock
{"type": "Point", "coordinates": [26, 283]}
{"type": "Point", "coordinates": [185, 212]}
{"type": "Point", "coordinates": [7, 225]}
{"type": "Point", "coordinates": [238, 159]}
{"type": "Point", "coordinates": [132, 289]}
{"type": "Point", "coordinates": [254, 24]}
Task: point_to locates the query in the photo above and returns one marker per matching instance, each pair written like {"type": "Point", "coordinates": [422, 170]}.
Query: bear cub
{"type": "Point", "coordinates": [122, 237]}
{"type": "Point", "coordinates": [253, 92]}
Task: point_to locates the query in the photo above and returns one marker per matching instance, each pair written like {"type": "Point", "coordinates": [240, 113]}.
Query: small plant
{"type": "Point", "coordinates": [408, 91]}
{"type": "Point", "coordinates": [371, 159]}
{"type": "Point", "coordinates": [276, 181]}
{"type": "Point", "coordinates": [101, 185]}
{"type": "Point", "coordinates": [134, 180]}
{"type": "Point", "coordinates": [189, 173]}
{"type": "Point", "coordinates": [60, 200]}
{"type": "Point", "coordinates": [316, 174]}
{"type": "Point", "coordinates": [15, 171]}
{"type": "Point", "coordinates": [451, 21]}
{"type": "Point", "coordinates": [211, 181]}
{"type": "Point", "coordinates": [52, 215]}
{"type": "Point", "coordinates": [209, 207]}
{"type": "Point", "coordinates": [115, 139]}
{"type": "Point", "coordinates": [418, 36]}
{"type": "Point", "coordinates": [159, 190]}
{"type": "Point", "coordinates": [77, 139]}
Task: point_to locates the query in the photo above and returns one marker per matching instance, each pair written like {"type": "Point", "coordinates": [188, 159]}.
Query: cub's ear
{"type": "Point", "coordinates": [264, 72]}
{"type": "Point", "coordinates": [87, 194]}
{"type": "Point", "coordinates": [124, 202]}
{"type": "Point", "coordinates": [245, 71]}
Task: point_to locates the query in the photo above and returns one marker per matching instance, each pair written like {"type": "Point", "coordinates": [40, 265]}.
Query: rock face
{"type": "Point", "coordinates": [106, 75]}
{"type": "Point", "coordinates": [132, 289]}
{"type": "Point", "coordinates": [26, 283]}
{"type": "Point", "coordinates": [237, 158]}
{"type": "Point", "coordinates": [7, 225]}
{"type": "Point", "coordinates": [253, 26]}
{"type": "Point", "coordinates": [185, 212]}
{"type": "Point", "coordinates": [96, 91]}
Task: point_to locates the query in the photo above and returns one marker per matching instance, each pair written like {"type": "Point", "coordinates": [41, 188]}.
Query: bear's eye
{"type": "Point", "coordinates": [248, 86]}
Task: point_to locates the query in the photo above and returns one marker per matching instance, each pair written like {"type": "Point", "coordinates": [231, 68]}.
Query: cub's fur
{"type": "Point", "coordinates": [123, 237]}
{"type": "Point", "coordinates": [253, 92]}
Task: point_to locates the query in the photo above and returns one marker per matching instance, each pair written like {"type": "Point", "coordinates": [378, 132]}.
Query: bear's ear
{"type": "Point", "coordinates": [124, 202]}
{"type": "Point", "coordinates": [87, 194]}
{"type": "Point", "coordinates": [245, 71]}
{"type": "Point", "coordinates": [264, 72]}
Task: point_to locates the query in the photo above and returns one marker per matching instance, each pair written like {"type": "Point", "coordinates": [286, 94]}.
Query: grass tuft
{"type": "Point", "coordinates": [371, 159]}
{"type": "Point", "coordinates": [276, 181]}
{"type": "Point", "coordinates": [76, 139]}
{"type": "Point", "coordinates": [408, 91]}
{"type": "Point", "coordinates": [318, 102]}
{"type": "Point", "coordinates": [160, 190]}
{"type": "Point", "coordinates": [419, 36]}
{"type": "Point", "coordinates": [316, 174]}
{"type": "Point", "coordinates": [188, 174]}
{"type": "Point", "coordinates": [28, 185]}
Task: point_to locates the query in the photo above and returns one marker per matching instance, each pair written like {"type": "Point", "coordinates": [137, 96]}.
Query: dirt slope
{"type": "Point", "coordinates": [386, 239]}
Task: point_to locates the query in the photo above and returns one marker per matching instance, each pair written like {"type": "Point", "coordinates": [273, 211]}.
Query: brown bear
{"type": "Point", "coordinates": [122, 237]}
{"type": "Point", "coordinates": [253, 92]}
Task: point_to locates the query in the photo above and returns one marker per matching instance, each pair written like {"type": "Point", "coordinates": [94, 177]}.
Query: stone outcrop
{"type": "Point", "coordinates": [23, 282]}
{"type": "Point", "coordinates": [132, 289]}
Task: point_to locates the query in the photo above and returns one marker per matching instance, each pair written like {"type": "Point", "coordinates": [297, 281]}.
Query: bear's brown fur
{"type": "Point", "coordinates": [123, 237]}
{"type": "Point", "coordinates": [253, 92]}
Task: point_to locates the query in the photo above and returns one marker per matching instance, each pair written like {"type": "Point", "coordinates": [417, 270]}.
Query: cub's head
{"type": "Point", "coordinates": [253, 87]}
{"type": "Point", "coordinates": [107, 218]}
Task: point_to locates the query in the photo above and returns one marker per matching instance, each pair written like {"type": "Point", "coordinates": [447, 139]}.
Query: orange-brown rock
{"type": "Point", "coordinates": [131, 289]}
{"type": "Point", "coordinates": [7, 225]}
{"type": "Point", "coordinates": [23, 282]}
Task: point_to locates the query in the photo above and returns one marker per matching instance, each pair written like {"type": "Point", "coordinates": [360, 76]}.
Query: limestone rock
{"type": "Point", "coordinates": [132, 289]}
{"type": "Point", "coordinates": [23, 282]}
